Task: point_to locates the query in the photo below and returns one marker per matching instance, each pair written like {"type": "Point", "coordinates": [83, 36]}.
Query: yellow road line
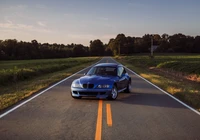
{"type": "Point", "coordinates": [99, 122]}
{"type": "Point", "coordinates": [109, 115]}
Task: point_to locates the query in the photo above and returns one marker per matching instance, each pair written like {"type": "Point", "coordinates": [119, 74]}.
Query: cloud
{"type": "Point", "coordinates": [41, 24]}
{"type": "Point", "coordinates": [11, 25]}
{"type": "Point", "coordinates": [82, 36]}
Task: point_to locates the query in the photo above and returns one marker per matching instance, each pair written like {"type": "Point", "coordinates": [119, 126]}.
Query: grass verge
{"type": "Point", "coordinates": [15, 92]}
{"type": "Point", "coordinates": [185, 90]}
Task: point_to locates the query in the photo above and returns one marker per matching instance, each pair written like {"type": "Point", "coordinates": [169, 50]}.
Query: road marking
{"type": "Point", "coordinates": [28, 100]}
{"type": "Point", "coordinates": [109, 115]}
{"type": "Point", "coordinates": [99, 121]}
{"type": "Point", "coordinates": [187, 106]}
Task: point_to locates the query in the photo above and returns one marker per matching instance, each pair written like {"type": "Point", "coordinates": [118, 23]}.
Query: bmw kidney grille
{"type": "Point", "coordinates": [88, 85]}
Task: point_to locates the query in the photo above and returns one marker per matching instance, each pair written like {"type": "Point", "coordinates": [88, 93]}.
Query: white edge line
{"type": "Point", "coordinates": [163, 91]}
{"type": "Point", "coordinates": [28, 100]}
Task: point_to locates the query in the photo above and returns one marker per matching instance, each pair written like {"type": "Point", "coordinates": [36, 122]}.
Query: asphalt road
{"type": "Point", "coordinates": [144, 114]}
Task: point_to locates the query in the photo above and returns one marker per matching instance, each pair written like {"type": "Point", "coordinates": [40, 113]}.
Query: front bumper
{"type": "Point", "coordinates": [98, 93]}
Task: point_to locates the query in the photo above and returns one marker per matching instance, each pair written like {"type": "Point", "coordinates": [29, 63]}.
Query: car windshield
{"type": "Point", "coordinates": [103, 70]}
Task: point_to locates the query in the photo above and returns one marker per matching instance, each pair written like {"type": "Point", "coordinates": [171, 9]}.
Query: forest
{"type": "Point", "coordinates": [11, 49]}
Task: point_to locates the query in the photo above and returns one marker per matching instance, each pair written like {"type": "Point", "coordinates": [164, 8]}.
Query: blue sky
{"type": "Point", "coordinates": [79, 21]}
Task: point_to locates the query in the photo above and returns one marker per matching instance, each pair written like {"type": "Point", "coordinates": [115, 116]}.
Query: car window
{"type": "Point", "coordinates": [124, 71]}
{"type": "Point", "coordinates": [120, 71]}
{"type": "Point", "coordinates": [91, 71]}
{"type": "Point", "coordinates": [111, 71]}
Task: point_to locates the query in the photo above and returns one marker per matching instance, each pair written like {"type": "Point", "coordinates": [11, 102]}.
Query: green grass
{"type": "Point", "coordinates": [34, 75]}
{"type": "Point", "coordinates": [15, 71]}
{"type": "Point", "coordinates": [164, 71]}
{"type": "Point", "coordinates": [182, 63]}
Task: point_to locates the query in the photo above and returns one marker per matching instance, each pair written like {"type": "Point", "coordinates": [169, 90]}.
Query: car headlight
{"type": "Point", "coordinates": [103, 86]}
{"type": "Point", "coordinates": [76, 84]}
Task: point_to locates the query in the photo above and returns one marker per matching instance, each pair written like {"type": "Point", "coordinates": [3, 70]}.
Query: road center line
{"type": "Point", "coordinates": [109, 115]}
{"type": "Point", "coordinates": [99, 121]}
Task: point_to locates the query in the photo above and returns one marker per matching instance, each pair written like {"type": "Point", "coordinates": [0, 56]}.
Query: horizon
{"type": "Point", "coordinates": [79, 22]}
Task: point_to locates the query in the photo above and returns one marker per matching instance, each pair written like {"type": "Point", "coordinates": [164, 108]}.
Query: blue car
{"type": "Point", "coordinates": [104, 80]}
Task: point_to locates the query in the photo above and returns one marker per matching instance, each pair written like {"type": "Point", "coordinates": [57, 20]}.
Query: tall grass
{"type": "Point", "coordinates": [181, 63]}
{"type": "Point", "coordinates": [15, 71]}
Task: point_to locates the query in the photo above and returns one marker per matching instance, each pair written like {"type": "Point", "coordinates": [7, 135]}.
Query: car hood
{"type": "Point", "coordinates": [94, 79]}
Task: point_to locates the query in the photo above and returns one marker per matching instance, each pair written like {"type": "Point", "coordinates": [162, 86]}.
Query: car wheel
{"type": "Point", "coordinates": [128, 88]}
{"type": "Point", "coordinates": [114, 93]}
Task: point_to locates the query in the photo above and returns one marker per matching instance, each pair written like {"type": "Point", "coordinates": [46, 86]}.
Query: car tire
{"type": "Point", "coordinates": [128, 88]}
{"type": "Point", "coordinates": [114, 93]}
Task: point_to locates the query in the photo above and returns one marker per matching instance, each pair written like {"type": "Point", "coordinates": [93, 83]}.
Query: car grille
{"type": "Point", "coordinates": [88, 85]}
{"type": "Point", "coordinates": [92, 93]}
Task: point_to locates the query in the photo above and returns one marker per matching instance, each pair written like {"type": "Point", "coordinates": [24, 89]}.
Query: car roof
{"type": "Point", "coordinates": [108, 64]}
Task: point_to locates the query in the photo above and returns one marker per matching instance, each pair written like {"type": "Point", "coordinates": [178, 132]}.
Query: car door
{"type": "Point", "coordinates": [122, 78]}
{"type": "Point", "coordinates": [126, 79]}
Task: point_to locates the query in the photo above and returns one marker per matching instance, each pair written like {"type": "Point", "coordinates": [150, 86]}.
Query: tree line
{"type": "Point", "coordinates": [11, 49]}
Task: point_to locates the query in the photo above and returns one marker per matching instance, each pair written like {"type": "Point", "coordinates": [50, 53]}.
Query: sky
{"type": "Point", "coordinates": [80, 21]}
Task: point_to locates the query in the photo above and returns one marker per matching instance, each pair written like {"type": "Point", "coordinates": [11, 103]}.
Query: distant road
{"type": "Point", "coordinates": [144, 114]}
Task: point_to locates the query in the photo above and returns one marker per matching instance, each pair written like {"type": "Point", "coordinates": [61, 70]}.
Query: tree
{"type": "Point", "coordinates": [108, 51]}
{"type": "Point", "coordinates": [179, 43]}
{"type": "Point", "coordinates": [10, 48]}
{"type": "Point", "coordinates": [2, 53]}
{"type": "Point", "coordinates": [34, 50]}
{"type": "Point", "coordinates": [146, 43]}
{"type": "Point", "coordinates": [96, 48]}
{"type": "Point", "coordinates": [79, 50]}
{"type": "Point", "coordinates": [164, 43]}
{"type": "Point", "coordinates": [138, 44]}
{"type": "Point", "coordinates": [117, 45]}
{"type": "Point", "coordinates": [156, 39]}
{"type": "Point", "coordinates": [189, 44]}
{"type": "Point", "coordinates": [128, 46]}
{"type": "Point", "coordinates": [111, 46]}
{"type": "Point", "coordinates": [196, 47]}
